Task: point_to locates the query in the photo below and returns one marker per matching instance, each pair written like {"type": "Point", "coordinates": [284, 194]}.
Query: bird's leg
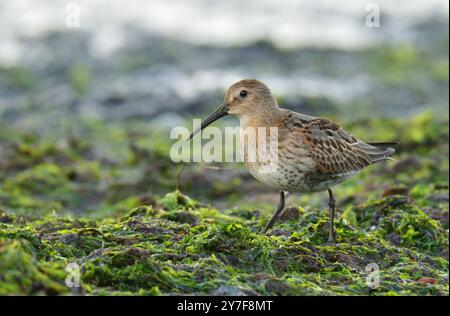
{"type": "Point", "coordinates": [275, 215]}
{"type": "Point", "coordinates": [332, 206]}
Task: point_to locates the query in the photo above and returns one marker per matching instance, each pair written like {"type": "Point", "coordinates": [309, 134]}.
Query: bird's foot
{"type": "Point", "coordinates": [331, 241]}
{"type": "Point", "coordinates": [263, 231]}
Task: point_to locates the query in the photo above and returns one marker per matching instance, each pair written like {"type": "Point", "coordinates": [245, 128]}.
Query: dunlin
{"type": "Point", "coordinates": [314, 154]}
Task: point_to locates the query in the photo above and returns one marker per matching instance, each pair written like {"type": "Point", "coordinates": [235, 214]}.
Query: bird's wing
{"type": "Point", "coordinates": [333, 150]}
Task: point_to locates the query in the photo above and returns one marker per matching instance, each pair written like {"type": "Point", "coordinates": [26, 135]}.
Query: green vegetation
{"type": "Point", "coordinates": [80, 79]}
{"type": "Point", "coordinates": [89, 196]}
{"type": "Point", "coordinates": [86, 177]}
{"type": "Point", "coordinates": [176, 246]}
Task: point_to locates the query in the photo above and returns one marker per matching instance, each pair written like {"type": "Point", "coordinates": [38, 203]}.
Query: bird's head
{"type": "Point", "coordinates": [247, 97]}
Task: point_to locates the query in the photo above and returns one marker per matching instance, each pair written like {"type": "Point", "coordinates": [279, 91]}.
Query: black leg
{"type": "Point", "coordinates": [275, 215]}
{"type": "Point", "coordinates": [332, 205]}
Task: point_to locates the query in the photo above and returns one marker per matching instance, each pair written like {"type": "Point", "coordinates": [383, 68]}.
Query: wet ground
{"type": "Point", "coordinates": [84, 140]}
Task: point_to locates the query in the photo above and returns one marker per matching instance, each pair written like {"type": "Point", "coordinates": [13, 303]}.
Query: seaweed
{"type": "Point", "coordinates": [155, 251]}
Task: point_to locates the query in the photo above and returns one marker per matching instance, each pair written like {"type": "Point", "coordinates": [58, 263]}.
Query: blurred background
{"type": "Point", "coordinates": [89, 91]}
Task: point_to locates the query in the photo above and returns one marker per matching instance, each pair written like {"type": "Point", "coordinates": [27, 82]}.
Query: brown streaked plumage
{"type": "Point", "coordinates": [314, 154]}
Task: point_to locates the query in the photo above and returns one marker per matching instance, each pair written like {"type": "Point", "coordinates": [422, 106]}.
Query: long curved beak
{"type": "Point", "coordinates": [217, 114]}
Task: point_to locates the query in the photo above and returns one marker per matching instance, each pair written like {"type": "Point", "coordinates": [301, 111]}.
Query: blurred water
{"type": "Point", "coordinates": [147, 59]}
{"type": "Point", "coordinates": [288, 23]}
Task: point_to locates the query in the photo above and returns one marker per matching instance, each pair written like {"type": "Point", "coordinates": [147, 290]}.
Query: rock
{"type": "Point", "coordinates": [225, 290]}
{"type": "Point", "coordinates": [276, 287]}
{"type": "Point", "coordinates": [395, 191]}
{"type": "Point", "coordinates": [289, 213]}
{"type": "Point", "coordinates": [427, 280]}
{"type": "Point", "coordinates": [4, 218]}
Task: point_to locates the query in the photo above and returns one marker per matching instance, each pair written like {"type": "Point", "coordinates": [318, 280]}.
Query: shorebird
{"type": "Point", "coordinates": [314, 154]}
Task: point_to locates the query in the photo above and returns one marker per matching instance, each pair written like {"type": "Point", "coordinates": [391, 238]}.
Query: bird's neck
{"type": "Point", "coordinates": [261, 118]}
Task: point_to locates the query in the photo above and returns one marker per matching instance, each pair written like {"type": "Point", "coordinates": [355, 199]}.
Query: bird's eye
{"type": "Point", "coordinates": [243, 93]}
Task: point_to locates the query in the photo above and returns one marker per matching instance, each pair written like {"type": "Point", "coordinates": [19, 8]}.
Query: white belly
{"type": "Point", "coordinates": [294, 179]}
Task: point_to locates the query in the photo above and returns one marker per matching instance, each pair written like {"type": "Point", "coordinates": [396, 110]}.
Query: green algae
{"type": "Point", "coordinates": [23, 274]}
{"type": "Point", "coordinates": [152, 251]}
{"type": "Point", "coordinates": [104, 170]}
{"type": "Point", "coordinates": [403, 223]}
{"type": "Point", "coordinates": [80, 77]}
{"type": "Point", "coordinates": [90, 198]}
{"type": "Point", "coordinates": [94, 191]}
{"type": "Point", "coordinates": [19, 78]}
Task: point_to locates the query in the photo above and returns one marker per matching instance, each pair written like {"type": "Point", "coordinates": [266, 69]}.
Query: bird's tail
{"type": "Point", "coordinates": [380, 151]}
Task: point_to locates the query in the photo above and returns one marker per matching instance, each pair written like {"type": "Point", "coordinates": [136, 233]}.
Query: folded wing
{"type": "Point", "coordinates": [334, 150]}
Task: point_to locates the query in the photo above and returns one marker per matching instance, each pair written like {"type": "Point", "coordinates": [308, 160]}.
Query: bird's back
{"type": "Point", "coordinates": [333, 149]}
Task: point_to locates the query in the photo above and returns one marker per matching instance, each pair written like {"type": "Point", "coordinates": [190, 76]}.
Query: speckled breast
{"type": "Point", "coordinates": [293, 173]}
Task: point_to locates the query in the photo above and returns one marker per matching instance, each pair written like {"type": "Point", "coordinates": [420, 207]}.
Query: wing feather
{"type": "Point", "coordinates": [334, 150]}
